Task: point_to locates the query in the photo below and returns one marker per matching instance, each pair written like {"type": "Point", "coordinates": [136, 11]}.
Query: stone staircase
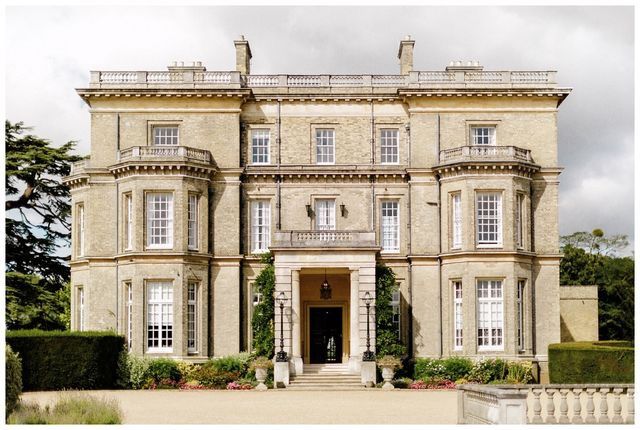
{"type": "Point", "coordinates": [328, 377]}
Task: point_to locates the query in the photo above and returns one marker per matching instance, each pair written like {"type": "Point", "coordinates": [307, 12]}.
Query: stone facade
{"type": "Point", "coordinates": [434, 121]}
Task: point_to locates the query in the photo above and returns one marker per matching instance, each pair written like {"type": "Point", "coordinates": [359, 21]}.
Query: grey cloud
{"type": "Point", "coordinates": [51, 49]}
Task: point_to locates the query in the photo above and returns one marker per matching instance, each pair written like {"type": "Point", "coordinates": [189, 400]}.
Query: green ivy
{"type": "Point", "coordinates": [387, 342]}
{"type": "Point", "coordinates": [264, 313]}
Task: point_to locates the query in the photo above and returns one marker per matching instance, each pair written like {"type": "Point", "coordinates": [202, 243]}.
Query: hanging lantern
{"type": "Point", "coordinates": [325, 288]}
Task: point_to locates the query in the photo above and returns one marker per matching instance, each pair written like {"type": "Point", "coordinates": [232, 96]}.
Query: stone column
{"type": "Point", "coordinates": [296, 312]}
{"type": "Point", "coordinates": [354, 315]}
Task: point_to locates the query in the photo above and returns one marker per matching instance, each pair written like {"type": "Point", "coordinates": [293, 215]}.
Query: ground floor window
{"type": "Point", "coordinates": [192, 317]}
{"type": "Point", "coordinates": [129, 296]}
{"type": "Point", "coordinates": [395, 305]}
{"type": "Point", "coordinates": [457, 315]}
{"type": "Point", "coordinates": [159, 316]}
{"type": "Point", "coordinates": [520, 313]}
{"type": "Point", "coordinates": [80, 300]}
{"type": "Point", "coordinates": [490, 315]}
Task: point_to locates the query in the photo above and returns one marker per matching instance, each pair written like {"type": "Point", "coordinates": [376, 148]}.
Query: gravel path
{"type": "Point", "coordinates": [278, 406]}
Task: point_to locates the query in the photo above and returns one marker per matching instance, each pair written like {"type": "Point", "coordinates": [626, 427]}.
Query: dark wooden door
{"type": "Point", "coordinates": [326, 335]}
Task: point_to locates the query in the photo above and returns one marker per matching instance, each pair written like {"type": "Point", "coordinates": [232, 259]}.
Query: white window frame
{"type": "Point", "coordinates": [163, 237]}
{"type": "Point", "coordinates": [260, 146]}
{"type": "Point", "coordinates": [128, 221]}
{"type": "Point", "coordinates": [483, 135]}
{"type": "Point", "coordinates": [390, 225]}
{"type": "Point", "coordinates": [260, 226]}
{"type": "Point", "coordinates": [520, 314]}
{"type": "Point", "coordinates": [456, 220]}
{"type": "Point", "coordinates": [325, 210]}
{"type": "Point", "coordinates": [81, 232]}
{"type": "Point", "coordinates": [192, 317]}
{"type": "Point", "coordinates": [389, 146]}
{"type": "Point", "coordinates": [166, 135]}
{"type": "Point", "coordinates": [490, 314]}
{"type": "Point", "coordinates": [129, 313]}
{"type": "Point", "coordinates": [192, 221]}
{"type": "Point", "coordinates": [159, 312]}
{"type": "Point", "coordinates": [325, 146]}
{"type": "Point", "coordinates": [520, 220]}
{"type": "Point", "coordinates": [458, 315]}
{"type": "Point", "coordinates": [80, 296]}
{"type": "Point", "coordinates": [484, 220]}
{"type": "Point", "coordinates": [395, 306]}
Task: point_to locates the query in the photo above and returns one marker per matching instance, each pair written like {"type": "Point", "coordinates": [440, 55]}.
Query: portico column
{"type": "Point", "coordinates": [296, 356]}
{"type": "Point", "coordinates": [354, 326]}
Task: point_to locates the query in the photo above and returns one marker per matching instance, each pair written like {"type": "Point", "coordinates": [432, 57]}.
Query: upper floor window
{"type": "Point", "coordinates": [128, 222]}
{"type": "Point", "coordinates": [389, 146]}
{"type": "Point", "coordinates": [390, 226]}
{"type": "Point", "coordinates": [159, 220]}
{"type": "Point", "coordinates": [80, 230]}
{"type": "Point", "coordinates": [490, 314]}
{"type": "Point", "coordinates": [260, 226]}
{"type": "Point", "coordinates": [165, 135]}
{"type": "Point", "coordinates": [192, 221]}
{"type": "Point", "coordinates": [483, 135]}
{"type": "Point", "coordinates": [160, 316]}
{"type": "Point", "coordinates": [325, 214]}
{"type": "Point", "coordinates": [456, 219]}
{"type": "Point", "coordinates": [260, 146]}
{"type": "Point", "coordinates": [520, 224]}
{"type": "Point", "coordinates": [457, 315]}
{"type": "Point", "coordinates": [325, 146]}
{"type": "Point", "coordinates": [489, 219]}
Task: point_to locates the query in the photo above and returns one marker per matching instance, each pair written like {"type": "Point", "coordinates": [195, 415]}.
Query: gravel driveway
{"type": "Point", "coordinates": [278, 406]}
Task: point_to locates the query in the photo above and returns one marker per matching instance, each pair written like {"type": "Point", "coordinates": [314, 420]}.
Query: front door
{"type": "Point", "coordinates": [326, 335]}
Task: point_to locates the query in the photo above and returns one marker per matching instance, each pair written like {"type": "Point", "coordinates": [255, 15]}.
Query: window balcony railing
{"type": "Point", "coordinates": [324, 239]}
{"type": "Point", "coordinates": [485, 153]}
{"type": "Point", "coordinates": [164, 153]}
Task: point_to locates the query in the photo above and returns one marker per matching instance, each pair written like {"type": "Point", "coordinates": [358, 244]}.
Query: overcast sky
{"type": "Point", "coordinates": [50, 51]}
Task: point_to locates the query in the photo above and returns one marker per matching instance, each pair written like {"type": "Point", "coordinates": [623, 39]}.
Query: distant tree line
{"type": "Point", "coordinates": [593, 259]}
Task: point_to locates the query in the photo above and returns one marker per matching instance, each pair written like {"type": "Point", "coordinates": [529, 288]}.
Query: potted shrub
{"type": "Point", "coordinates": [261, 366]}
{"type": "Point", "coordinates": [388, 364]}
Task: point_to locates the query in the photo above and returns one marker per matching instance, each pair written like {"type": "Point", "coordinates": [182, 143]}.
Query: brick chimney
{"type": "Point", "coordinates": [243, 56]}
{"type": "Point", "coordinates": [405, 54]}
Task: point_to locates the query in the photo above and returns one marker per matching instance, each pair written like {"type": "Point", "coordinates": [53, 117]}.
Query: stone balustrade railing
{"type": "Point", "coordinates": [164, 152]}
{"type": "Point", "coordinates": [323, 238]}
{"type": "Point", "coordinates": [485, 153]}
{"type": "Point", "coordinates": [232, 79]}
{"type": "Point", "coordinates": [548, 404]}
{"type": "Point", "coordinates": [78, 166]}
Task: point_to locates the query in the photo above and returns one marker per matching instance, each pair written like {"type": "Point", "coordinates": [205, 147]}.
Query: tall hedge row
{"type": "Point", "coordinates": [591, 362]}
{"type": "Point", "coordinates": [54, 360]}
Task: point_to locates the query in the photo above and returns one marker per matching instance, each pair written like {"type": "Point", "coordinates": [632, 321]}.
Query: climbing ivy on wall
{"type": "Point", "coordinates": [387, 342]}
{"type": "Point", "coordinates": [264, 312]}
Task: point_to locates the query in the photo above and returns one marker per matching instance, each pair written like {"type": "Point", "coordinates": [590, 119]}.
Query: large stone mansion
{"type": "Point", "coordinates": [448, 177]}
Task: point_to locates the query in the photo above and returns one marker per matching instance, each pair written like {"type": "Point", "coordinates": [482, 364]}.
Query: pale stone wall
{"type": "Point", "coordinates": [221, 121]}
{"type": "Point", "coordinates": [578, 313]}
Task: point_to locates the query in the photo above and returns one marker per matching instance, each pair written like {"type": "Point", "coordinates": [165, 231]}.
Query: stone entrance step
{"type": "Point", "coordinates": [326, 377]}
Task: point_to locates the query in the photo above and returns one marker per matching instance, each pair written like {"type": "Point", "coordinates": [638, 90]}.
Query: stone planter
{"type": "Point", "coordinates": [261, 375]}
{"type": "Point", "coordinates": [387, 376]}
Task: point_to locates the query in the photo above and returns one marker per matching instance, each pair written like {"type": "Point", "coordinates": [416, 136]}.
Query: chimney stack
{"type": "Point", "coordinates": [405, 54]}
{"type": "Point", "coordinates": [243, 56]}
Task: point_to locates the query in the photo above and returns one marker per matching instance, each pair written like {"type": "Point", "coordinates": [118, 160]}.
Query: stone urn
{"type": "Point", "coordinates": [261, 376]}
{"type": "Point", "coordinates": [387, 376]}
{"type": "Point", "coordinates": [388, 365]}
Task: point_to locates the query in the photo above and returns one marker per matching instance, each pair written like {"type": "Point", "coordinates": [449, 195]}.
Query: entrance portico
{"type": "Point", "coordinates": [317, 329]}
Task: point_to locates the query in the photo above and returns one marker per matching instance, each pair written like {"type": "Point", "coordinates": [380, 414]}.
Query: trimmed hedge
{"type": "Point", "coordinates": [13, 380]}
{"type": "Point", "coordinates": [591, 362]}
{"type": "Point", "coordinates": [55, 360]}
